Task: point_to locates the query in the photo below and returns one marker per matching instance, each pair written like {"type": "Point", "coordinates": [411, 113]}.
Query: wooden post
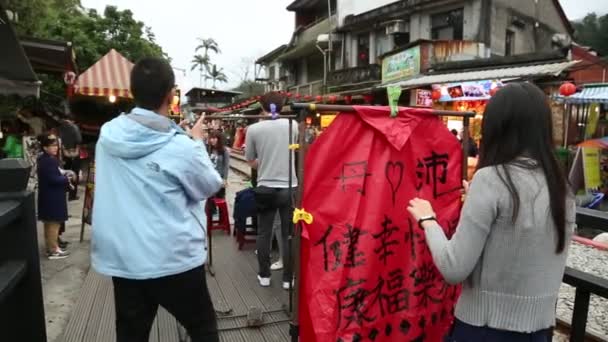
{"type": "Point", "coordinates": [296, 243]}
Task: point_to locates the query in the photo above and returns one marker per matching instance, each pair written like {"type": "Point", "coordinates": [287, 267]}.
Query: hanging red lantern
{"type": "Point", "coordinates": [368, 98]}
{"type": "Point", "coordinates": [332, 98]}
{"type": "Point", "coordinates": [567, 89]}
{"type": "Point", "coordinates": [348, 99]}
{"type": "Point", "coordinates": [298, 96]}
{"type": "Point", "coordinates": [307, 98]}
{"type": "Point", "coordinates": [436, 94]}
{"type": "Point", "coordinates": [288, 94]}
{"type": "Point", "coordinates": [319, 98]}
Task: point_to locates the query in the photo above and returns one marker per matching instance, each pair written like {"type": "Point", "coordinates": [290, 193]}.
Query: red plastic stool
{"type": "Point", "coordinates": [223, 223]}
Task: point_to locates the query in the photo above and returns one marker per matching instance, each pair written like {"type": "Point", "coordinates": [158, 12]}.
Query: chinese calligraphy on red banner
{"type": "Point", "coordinates": [367, 274]}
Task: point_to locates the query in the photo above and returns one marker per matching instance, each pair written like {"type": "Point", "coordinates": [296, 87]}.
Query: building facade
{"type": "Point", "coordinates": [338, 47]}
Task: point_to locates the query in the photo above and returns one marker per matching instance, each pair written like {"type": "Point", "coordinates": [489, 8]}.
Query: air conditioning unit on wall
{"type": "Point", "coordinates": [395, 27]}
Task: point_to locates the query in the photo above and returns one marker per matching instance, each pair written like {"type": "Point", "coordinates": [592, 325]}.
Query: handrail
{"type": "Point", "coordinates": [590, 218]}
{"type": "Point", "coordinates": [21, 303]}
{"type": "Point", "coordinates": [585, 284]}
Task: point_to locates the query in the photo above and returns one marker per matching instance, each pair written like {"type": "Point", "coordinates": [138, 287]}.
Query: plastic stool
{"type": "Point", "coordinates": [224, 221]}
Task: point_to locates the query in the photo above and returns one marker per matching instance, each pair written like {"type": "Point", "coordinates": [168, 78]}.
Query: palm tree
{"type": "Point", "coordinates": [200, 62]}
{"type": "Point", "coordinates": [216, 75]}
{"type": "Point", "coordinates": [208, 44]}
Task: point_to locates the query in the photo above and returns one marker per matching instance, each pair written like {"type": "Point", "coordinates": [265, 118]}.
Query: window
{"type": "Point", "coordinates": [510, 43]}
{"type": "Point", "coordinates": [363, 49]}
{"type": "Point", "coordinates": [271, 73]}
{"type": "Point", "coordinates": [401, 39]}
{"type": "Point", "coordinates": [448, 25]}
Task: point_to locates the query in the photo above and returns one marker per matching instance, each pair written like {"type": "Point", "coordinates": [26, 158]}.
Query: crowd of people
{"type": "Point", "coordinates": [152, 238]}
{"type": "Point", "coordinates": [53, 148]}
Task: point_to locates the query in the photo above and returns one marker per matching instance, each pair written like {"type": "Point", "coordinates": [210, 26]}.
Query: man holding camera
{"type": "Point", "coordinates": [149, 224]}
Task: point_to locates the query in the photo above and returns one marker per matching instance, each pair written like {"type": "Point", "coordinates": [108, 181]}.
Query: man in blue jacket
{"type": "Point", "coordinates": [149, 225]}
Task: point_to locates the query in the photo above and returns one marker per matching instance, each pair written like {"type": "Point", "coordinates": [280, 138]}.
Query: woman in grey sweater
{"type": "Point", "coordinates": [509, 250]}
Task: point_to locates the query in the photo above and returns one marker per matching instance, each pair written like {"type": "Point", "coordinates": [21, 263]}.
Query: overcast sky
{"type": "Point", "coordinates": [244, 29]}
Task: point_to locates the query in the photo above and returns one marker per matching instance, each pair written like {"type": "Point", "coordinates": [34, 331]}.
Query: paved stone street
{"type": "Point", "coordinates": [62, 279]}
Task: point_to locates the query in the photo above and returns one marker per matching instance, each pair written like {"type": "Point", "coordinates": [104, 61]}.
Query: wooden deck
{"type": "Point", "coordinates": [234, 290]}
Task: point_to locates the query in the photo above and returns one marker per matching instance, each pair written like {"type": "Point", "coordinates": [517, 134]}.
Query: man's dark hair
{"type": "Point", "coordinates": [152, 79]}
{"type": "Point", "coordinates": [277, 98]}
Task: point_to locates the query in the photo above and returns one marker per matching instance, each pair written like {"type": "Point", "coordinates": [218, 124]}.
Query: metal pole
{"type": "Point", "coordinates": [465, 147]}
{"type": "Point", "coordinates": [567, 116]}
{"type": "Point", "coordinates": [331, 44]}
{"type": "Point", "coordinates": [291, 205]}
{"type": "Point", "coordinates": [295, 317]}
{"type": "Point", "coordinates": [351, 109]}
{"type": "Point", "coordinates": [324, 68]}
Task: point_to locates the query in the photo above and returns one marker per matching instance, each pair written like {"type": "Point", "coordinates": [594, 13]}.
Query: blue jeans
{"type": "Point", "coordinates": [463, 332]}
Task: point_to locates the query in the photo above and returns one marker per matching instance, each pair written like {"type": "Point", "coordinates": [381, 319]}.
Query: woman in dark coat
{"type": "Point", "coordinates": [52, 202]}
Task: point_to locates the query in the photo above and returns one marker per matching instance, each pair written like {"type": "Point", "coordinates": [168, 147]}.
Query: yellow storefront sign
{"type": "Point", "coordinates": [327, 119]}
{"type": "Point", "coordinates": [591, 167]}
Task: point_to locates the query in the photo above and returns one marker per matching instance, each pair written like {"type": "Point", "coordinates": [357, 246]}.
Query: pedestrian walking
{"type": "Point", "coordinates": [267, 150]}
{"type": "Point", "coordinates": [151, 182]}
{"type": "Point", "coordinates": [510, 247]}
{"type": "Point", "coordinates": [52, 203]}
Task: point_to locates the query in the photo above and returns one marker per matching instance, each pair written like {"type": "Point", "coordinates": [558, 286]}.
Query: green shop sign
{"type": "Point", "coordinates": [402, 65]}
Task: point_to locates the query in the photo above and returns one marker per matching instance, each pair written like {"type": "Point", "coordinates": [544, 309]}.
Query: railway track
{"type": "Point", "coordinates": [239, 165]}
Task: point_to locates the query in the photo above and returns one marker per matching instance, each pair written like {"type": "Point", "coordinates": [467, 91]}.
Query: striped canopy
{"type": "Point", "coordinates": [596, 143]}
{"type": "Point", "coordinates": [593, 93]}
{"type": "Point", "coordinates": [109, 76]}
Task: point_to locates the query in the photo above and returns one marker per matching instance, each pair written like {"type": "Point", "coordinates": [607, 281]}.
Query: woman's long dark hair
{"type": "Point", "coordinates": [517, 123]}
{"type": "Point", "coordinates": [219, 147]}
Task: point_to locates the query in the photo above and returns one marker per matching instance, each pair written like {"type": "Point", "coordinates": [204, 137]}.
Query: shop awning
{"type": "Point", "coordinates": [109, 76]}
{"type": "Point", "coordinates": [50, 56]}
{"type": "Point", "coordinates": [590, 94]}
{"type": "Point", "coordinates": [526, 71]}
{"type": "Point", "coordinates": [16, 73]}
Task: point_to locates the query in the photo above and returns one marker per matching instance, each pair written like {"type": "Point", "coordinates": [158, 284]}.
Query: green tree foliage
{"type": "Point", "coordinates": [201, 63]}
{"type": "Point", "coordinates": [208, 44]}
{"type": "Point", "coordinates": [92, 34]}
{"type": "Point", "coordinates": [217, 75]}
{"type": "Point", "coordinates": [593, 31]}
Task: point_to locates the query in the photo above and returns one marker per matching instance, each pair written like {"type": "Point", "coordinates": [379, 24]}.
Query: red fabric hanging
{"type": "Point", "coordinates": [367, 273]}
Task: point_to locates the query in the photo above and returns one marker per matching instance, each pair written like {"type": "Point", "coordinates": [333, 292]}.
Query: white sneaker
{"type": "Point", "coordinates": [58, 254]}
{"type": "Point", "coordinates": [286, 285]}
{"type": "Point", "coordinates": [264, 282]}
{"type": "Point", "coordinates": [277, 266]}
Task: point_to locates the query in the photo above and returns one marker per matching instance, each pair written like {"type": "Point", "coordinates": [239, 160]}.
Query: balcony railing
{"type": "Point", "coordinates": [353, 76]}
{"type": "Point", "coordinates": [307, 89]}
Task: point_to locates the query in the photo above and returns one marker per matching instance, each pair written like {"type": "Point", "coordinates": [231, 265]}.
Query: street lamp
{"type": "Point", "coordinates": [322, 40]}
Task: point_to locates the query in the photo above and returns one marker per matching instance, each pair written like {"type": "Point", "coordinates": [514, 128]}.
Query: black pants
{"type": "Point", "coordinates": [267, 205]}
{"type": "Point", "coordinates": [73, 164]}
{"type": "Point", "coordinates": [184, 295]}
{"type": "Point", "coordinates": [468, 333]}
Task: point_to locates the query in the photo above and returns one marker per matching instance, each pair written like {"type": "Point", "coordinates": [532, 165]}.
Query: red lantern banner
{"type": "Point", "coordinates": [367, 273]}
